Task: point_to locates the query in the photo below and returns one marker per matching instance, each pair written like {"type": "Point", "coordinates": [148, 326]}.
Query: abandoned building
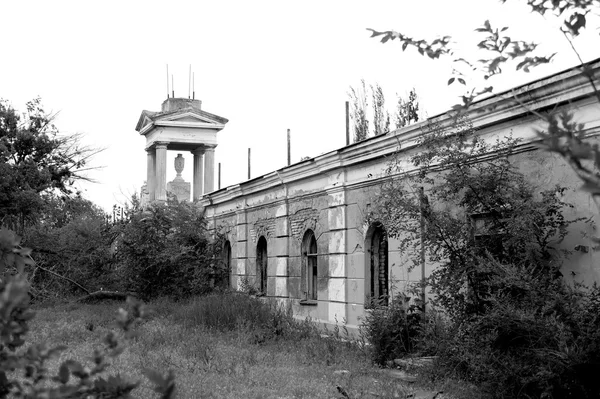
{"type": "Point", "coordinates": [299, 234]}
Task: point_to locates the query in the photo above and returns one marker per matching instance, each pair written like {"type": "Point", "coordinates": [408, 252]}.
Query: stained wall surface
{"type": "Point", "coordinates": [331, 195]}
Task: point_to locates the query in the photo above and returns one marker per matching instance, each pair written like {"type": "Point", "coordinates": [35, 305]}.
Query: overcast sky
{"type": "Point", "coordinates": [265, 65]}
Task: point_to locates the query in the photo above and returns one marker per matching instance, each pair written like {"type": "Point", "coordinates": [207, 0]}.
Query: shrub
{"type": "Point", "coordinates": [166, 250]}
{"type": "Point", "coordinates": [71, 239]}
{"type": "Point", "coordinates": [543, 342]}
{"type": "Point", "coordinates": [400, 329]}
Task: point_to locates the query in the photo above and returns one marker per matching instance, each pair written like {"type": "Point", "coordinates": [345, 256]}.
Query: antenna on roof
{"type": "Point", "coordinates": [190, 81]}
{"type": "Point", "coordinates": [193, 86]}
{"type": "Point", "coordinates": [167, 80]}
{"type": "Point", "coordinates": [172, 87]}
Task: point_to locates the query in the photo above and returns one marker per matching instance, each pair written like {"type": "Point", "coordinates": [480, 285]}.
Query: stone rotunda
{"type": "Point", "coordinates": [181, 125]}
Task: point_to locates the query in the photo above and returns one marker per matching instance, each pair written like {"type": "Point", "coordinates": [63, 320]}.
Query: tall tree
{"type": "Point", "coordinates": [359, 104]}
{"type": "Point", "coordinates": [35, 161]}
{"type": "Point", "coordinates": [381, 117]}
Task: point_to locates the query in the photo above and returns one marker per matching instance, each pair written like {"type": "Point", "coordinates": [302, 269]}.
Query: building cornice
{"type": "Point", "coordinates": [519, 103]}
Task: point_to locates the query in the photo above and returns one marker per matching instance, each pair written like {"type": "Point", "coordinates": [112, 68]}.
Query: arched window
{"type": "Point", "coordinates": [227, 261]}
{"type": "Point", "coordinates": [261, 264]}
{"type": "Point", "coordinates": [378, 265]}
{"type": "Point", "coordinates": [309, 265]}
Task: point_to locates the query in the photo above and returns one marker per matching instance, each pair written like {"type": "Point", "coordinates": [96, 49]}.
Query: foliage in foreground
{"type": "Point", "coordinates": [72, 379]}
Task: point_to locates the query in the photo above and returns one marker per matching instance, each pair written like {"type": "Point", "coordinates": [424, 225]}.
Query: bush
{"type": "Point", "coordinates": [392, 330]}
{"type": "Point", "coordinates": [71, 239]}
{"type": "Point", "coordinates": [401, 329]}
{"type": "Point", "coordinates": [543, 342]}
{"type": "Point", "coordinates": [166, 250]}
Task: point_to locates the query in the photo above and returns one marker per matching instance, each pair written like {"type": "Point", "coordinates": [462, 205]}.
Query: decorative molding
{"type": "Point", "coordinates": [303, 220]}
{"type": "Point", "coordinates": [263, 227]}
{"type": "Point", "coordinates": [188, 124]}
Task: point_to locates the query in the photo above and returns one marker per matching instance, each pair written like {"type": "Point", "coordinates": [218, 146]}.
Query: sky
{"type": "Point", "coordinates": [266, 65]}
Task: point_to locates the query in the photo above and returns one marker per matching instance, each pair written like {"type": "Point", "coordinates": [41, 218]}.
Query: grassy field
{"type": "Point", "coordinates": [213, 359]}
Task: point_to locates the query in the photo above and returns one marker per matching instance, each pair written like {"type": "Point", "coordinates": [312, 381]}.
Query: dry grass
{"type": "Point", "coordinates": [214, 364]}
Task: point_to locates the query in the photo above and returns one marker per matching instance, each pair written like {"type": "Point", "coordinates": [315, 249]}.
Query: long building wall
{"type": "Point", "coordinates": [331, 195]}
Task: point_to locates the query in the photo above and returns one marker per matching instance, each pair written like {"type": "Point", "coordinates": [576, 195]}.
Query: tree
{"type": "Point", "coordinates": [563, 135]}
{"type": "Point", "coordinates": [472, 211]}
{"type": "Point", "coordinates": [407, 111]}
{"type": "Point", "coordinates": [381, 118]}
{"type": "Point", "coordinates": [358, 101]}
{"type": "Point", "coordinates": [35, 161]}
{"type": "Point", "coordinates": [492, 235]}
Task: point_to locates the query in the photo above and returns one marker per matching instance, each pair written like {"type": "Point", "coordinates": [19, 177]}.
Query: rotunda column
{"type": "Point", "coordinates": [160, 181]}
{"type": "Point", "coordinates": [209, 169]}
{"type": "Point", "coordinates": [198, 172]}
{"type": "Point", "coordinates": [151, 173]}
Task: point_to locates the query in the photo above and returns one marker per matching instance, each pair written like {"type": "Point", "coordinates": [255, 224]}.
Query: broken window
{"type": "Point", "coordinates": [488, 232]}
{"type": "Point", "coordinates": [309, 265]}
{"type": "Point", "coordinates": [378, 290]}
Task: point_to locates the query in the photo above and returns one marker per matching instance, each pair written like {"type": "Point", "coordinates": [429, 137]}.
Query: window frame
{"type": "Point", "coordinates": [310, 265]}
{"type": "Point", "coordinates": [262, 258]}
{"type": "Point", "coordinates": [374, 296]}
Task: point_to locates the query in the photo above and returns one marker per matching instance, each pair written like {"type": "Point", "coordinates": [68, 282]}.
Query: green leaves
{"type": "Point", "coordinates": [434, 49]}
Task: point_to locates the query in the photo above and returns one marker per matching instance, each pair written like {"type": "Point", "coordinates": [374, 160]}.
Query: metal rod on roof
{"type": "Point", "coordinates": [248, 163]}
{"type": "Point", "coordinates": [193, 85]}
{"type": "Point", "coordinates": [219, 175]}
{"type": "Point", "coordinates": [167, 80]}
{"type": "Point", "coordinates": [172, 87]}
{"type": "Point", "coordinates": [289, 148]}
{"type": "Point", "coordinates": [347, 123]}
{"type": "Point", "coordinates": [190, 82]}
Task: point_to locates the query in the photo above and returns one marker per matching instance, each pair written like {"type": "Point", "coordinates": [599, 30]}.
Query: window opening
{"type": "Point", "coordinates": [309, 252]}
{"type": "Point", "coordinates": [261, 264]}
{"type": "Point", "coordinates": [227, 261]}
{"type": "Point", "coordinates": [379, 267]}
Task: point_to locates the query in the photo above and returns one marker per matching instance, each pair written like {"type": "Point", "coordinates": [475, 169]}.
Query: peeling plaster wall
{"type": "Point", "coordinates": [332, 195]}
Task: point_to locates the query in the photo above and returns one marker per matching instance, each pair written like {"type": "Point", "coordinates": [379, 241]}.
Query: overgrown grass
{"type": "Point", "coordinates": [222, 346]}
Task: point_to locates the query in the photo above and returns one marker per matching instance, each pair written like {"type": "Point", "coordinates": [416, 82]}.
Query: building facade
{"type": "Point", "coordinates": [300, 234]}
